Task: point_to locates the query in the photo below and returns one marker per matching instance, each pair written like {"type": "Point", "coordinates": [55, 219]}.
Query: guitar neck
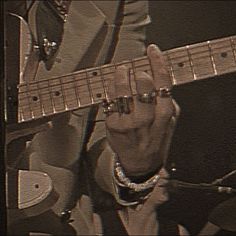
{"type": "Point", "coordinates": [86, 87]}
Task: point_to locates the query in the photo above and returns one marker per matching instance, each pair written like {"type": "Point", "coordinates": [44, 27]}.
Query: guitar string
{"type": "Point", "coordinates": [69, 82]}
{"type": "Point", "coordinates": [83, 71]}
{"type": "Point", "coordinates": [86, 85]}
{"type": "Point", "coordinates": [67, 89]}
{"type": "Point", "coordinates": [145, 58]}
{"type": "Point", "coordinates": [61, 104]}
{"type": "Point", "coordinates": [183, 78]}
{"type": "Point", "coordinates": [58, 105]}
{"type": "Point", "coordinates": [198, 58]}
{"type": "Point", "coordinates": [229, 40]}
{"type": "Point", "coordinates": [104, 74]}
{"type": "Point", "coordinates": [74, 88]}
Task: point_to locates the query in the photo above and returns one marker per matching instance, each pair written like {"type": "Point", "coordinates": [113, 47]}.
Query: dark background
{"type": "Point", "coordinates": [204, 145]}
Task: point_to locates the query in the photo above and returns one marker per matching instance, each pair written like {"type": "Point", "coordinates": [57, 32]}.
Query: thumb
{"type": "Point", "coordinates": [159, 195]}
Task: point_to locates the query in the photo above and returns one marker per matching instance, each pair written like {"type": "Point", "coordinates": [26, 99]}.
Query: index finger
{"type": "Point", "coordinates": [161, 76]}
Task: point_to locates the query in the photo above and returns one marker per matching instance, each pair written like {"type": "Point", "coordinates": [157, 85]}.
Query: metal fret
{"type": "Point", "coordinates": [47, 97]}
{"type": "Point", "coordinates": [212, 58]}
{"type": "Point", "coordinates": [223, 56]}
{"type": "Point", "coordinates": [181, 68]}
{"type": "Point", "coordinates": [51, 96]}
{"type": "Point", "coordinates": [24, 102]}
{"type": "Point", "coordinates": [132, 82]}
{"type": "Point", "coordinates": [20, 116]}
{"type": "Point", "coordinates": [33, 92]}
{"type": "Point", "coordinates": [29, 101]}
{"type": "Point", "coordinates": [57, 93]}
{"type": "Point", "coordinates": [63, 94]}
{"type": "Point", "coordinates": [171, 72]}
{"type": "Point", "coordinates": [191, 63]}
{"type": "Point", "coordinates": [103, 84]}
{"type": "Point", "coordinates": [133, 68]}
{"type": "Point", "coordinates": [97, 84]}
{"type": "Point", "coordinates": [40, 99]}
{"type": "Point", "coordinates": [108, 76]}
{"type": "Point", "coordinates": [126, 64]}
{"type": "Point", "coordinates": [203, 66]}
{"type": "Point", "coordinates": [81, 86]}
{"type": "Point", "coordinates": [89, 87]}
{"type": "Point", "coordinates": [233, 48]}
{"type": "Point", "coordinates": [20, 111]}
{"type": "Point", "coordinates": [76, 94]}
{"type": "Point", "coordinates": [142, 64]}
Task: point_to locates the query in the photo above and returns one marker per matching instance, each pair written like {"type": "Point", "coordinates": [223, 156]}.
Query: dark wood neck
{"type": "Point", "coordinates": [89, 86]}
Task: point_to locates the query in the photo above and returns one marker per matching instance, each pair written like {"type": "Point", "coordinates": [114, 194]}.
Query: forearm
{"type": "Point", "coordinates": [131, 44]}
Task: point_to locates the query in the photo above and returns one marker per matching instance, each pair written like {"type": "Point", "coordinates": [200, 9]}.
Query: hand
{"type": "Point", "coordinates": [141, 139]}
{"type": "Point", "coordinates": [143, 218]}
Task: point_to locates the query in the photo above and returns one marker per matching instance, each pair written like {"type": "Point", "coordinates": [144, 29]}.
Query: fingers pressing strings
{"type": "Point", "coordinates": [162, 80]}
{"type": "Point", "coordinates": [164, 108]}
{"type": "Point", "coordinates": [144, 112]}
{"type": "Point", "coordinates": [120, 117]}
{"type": "Point", "coordinates": [160, 74]}
{"type": "Point", "coordinates": [122, 82]}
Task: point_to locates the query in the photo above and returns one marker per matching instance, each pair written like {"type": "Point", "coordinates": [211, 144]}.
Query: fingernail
{"type": "Point", "coordinates": [153, 46]}
{"type": "Point", "coordinates": [154, 50]}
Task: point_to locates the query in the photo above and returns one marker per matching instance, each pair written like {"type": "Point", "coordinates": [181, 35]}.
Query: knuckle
{"type": "Point", "coordinates": [142, 75]}
{"type": "Point", "coordinates": [121, 68]}
{"type": "Point", "coordinates": [121, 75]}
{"type": "Point", "coordinates": [115, 127]}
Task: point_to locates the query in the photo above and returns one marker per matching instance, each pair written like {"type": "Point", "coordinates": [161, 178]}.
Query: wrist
{"type": "Point", "coordinates": [142, 177]}
{"type": "Point", "coordinates": [140, 169]}
{"type": "Point", "coordinates": [135, 183]}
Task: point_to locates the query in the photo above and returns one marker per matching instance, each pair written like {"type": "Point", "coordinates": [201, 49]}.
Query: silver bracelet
{"type": "Point", "coordinates": [124, 181]}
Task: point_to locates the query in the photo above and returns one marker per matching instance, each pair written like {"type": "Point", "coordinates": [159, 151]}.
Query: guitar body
{"type": "Point", "coordinates": [29, 193]}
{"type": "Point", "coordinates": [23, 51]}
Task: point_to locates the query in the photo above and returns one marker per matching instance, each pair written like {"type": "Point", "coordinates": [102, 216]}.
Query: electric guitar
{"type": "Point", "coordinates": [86, 87]}
{"type": "Point", "coordinates": [51, 96]}
{"type": "Point", "coordinates": [37, 99]}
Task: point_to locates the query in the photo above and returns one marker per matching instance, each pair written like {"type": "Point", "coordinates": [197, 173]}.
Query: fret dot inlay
{"type": "Point", "coordinates": [35, 99]}
{"type": "Point", "coordinates": [90, 86]}
{"type": "Point", "coordinates": [181, 64]}
{"type": "Point", "coordinates": [224, 54]}
{"type": "Point", "coordinates": [57, 93]}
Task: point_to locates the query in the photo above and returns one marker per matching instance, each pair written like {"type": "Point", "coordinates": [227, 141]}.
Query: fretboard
{"type": "Point", "coordinates": [90, 86]}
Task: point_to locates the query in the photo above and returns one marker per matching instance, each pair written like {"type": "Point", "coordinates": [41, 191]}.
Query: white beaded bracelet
{"type": "Point", "coordinates": [124, 181]}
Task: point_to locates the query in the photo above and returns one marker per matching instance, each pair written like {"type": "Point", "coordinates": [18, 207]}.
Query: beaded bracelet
{"type": "Point", "coordinates": [124, 181]}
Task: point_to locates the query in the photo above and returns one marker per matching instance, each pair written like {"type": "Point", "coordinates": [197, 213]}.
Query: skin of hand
{"type": "Point", "coordinates": [140, 139]}
{"type": "Point", "coordinates": [142, 219]}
